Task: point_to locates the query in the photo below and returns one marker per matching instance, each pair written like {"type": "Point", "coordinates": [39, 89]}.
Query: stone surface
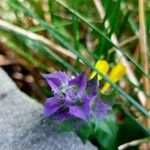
{"type": "Point", "coordinates": [22, 127]}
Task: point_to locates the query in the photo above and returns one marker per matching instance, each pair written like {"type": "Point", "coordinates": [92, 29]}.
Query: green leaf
{"type": "Point", "coordinates": [110, 133]}
{"type": "Point", "coordinates": [106, 133]}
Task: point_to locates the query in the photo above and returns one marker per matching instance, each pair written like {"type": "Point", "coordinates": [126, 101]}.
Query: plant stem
{"type": "Point", "coordinates": [31, 35]}
{"type": "Point", "coordinates": [144, 53]}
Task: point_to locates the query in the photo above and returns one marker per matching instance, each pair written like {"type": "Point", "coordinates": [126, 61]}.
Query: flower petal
{"type": "Point", "coordinates": [54, 84]}
{"type": "Point", "coordinates": [69, 96]}
{"type": "Point", "coordinates": [101, 108]}
{"type": "Point", "coordinates": [55, 80]}
{"type": "Point", "coordinates": [77, 112]}
{"type": "Point", "coordinates": [51, 106]}
{"type": "Point", "coordinates": [102, 66]}
{"type": "Point", "coordinates": [87, 106]}
{"type": "Point", "coordinates": [61, 76]}
{"type": "Point", "coordinates": [59, 115]}
{"type": "Point", "coordinates": [93, 87]}
{"type": "Point", "coordinates": [81, 82]}
{"type": "Point", "coordinates": [116, 74]}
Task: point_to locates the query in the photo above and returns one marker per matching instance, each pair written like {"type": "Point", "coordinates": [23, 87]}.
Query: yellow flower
{"type": "Point", "coordinates": [115, 74]}
{"type": "Point", "coordinates": [102, 66]}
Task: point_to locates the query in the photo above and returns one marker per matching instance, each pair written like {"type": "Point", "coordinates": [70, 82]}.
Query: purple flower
{"type": "Point", "coordinates": [74, 97]}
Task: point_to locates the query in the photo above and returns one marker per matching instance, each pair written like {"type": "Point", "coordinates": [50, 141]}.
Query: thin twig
{"type": "Point", "coordinates": [8, 26]}
{"type": "Point", "coordinates": [125, 42]}
{"type": "Point", "coordinates": [144, 53]}
{"type": "Point", "coordinates": [130, 74]}
{"type": "Point", "coordinates": [128, 40]}
{"type": "Point", "coordinates": [132, 143]}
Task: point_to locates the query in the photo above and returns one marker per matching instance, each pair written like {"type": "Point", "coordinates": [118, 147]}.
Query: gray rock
{"type": "Point", "coordinates": [22, 127]}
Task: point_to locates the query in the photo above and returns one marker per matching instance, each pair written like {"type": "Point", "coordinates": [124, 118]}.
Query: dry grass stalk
{"type": "Point", "coordinates": [132, 143]}
{"type": "Point", "coordinates": [144, 53]}
{"type": "Point", "coordinates": [31, 35]}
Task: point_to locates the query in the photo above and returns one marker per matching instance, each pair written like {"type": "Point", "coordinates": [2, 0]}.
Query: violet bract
{"type": "Point", "coordinates": [74, 97]}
